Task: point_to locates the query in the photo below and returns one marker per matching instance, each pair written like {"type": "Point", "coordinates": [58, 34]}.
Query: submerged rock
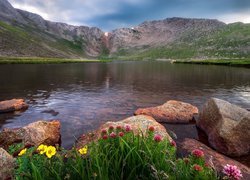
{"type": "Point", "coordinates": [139, 124]}
{"type": "Point", "coordinates": [12, 105]}
{"type": "Point", "coordinates": [7, 165]}
{"type": "Point", "coordinates": [33, 134]}
{"type": "Point", "coordinates": [227, 127]}
{"type": "Point", "coordinates": [171, 112]}
{"type": "Point", "coordinates": [213, 158]}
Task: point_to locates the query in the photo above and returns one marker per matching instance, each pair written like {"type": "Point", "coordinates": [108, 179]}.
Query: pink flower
{"type": "Point", "coordinates": [151, 128]}
{"type": "Point", "coordinates": [198, 153]}
{"type": "Point", "coordinates": [232, 172]}
{"type": "Point", "coordinates": [112, 135]}
{"type": "Point", "coordinates": [157, 138]}
{"type": "Point", "coordinates": [121, 134]}
{"type": "Point", "coordinates": [118, 127]}
{"type": "Point", "coordinates": [127, 128]}
{"type": "Point", "coordinates": [104, 131]}
{"type": "Point", "coordinates": [197, 167]}
{"type": "Point", "coordinates": [111, 127]}
{"type": "Point", "coordinates": [173, 143]}
{"type": "Point", "coordinates": [104, 137]}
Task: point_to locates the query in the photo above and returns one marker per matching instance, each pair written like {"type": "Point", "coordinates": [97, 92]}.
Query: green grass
{"type": "Point", "coordinates": [39, 60]}
{"type": "Point", "coordinates": [118, 154]}
{"type": "Point", "coordinates": [226, 62]}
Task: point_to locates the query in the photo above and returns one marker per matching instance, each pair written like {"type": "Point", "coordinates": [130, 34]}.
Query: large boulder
{"type": "Point", "coordinates": [46, 132]}
{"type": "Point", "coordinates": [12, 105]}
{"type": "Point", "coordinates": [213, 158]}
{"type": "Point", "coordinates": [227, 127]}
{"type": "Point", "coordinates": [171, 112]}
{"type": "Point", "coordinates": [7, 165]}
{"type": "Point", "coordinates": [139, 124]}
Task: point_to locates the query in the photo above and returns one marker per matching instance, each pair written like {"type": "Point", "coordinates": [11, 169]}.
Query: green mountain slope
{"type": "Point", "coordinates": [27, 41]}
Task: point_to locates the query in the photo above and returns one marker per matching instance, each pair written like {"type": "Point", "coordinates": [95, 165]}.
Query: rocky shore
{"type": "Point", "coordinates": [227, 127]}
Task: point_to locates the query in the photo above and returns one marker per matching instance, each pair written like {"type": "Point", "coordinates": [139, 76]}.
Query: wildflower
{"type": "Point", "coordinates": [127, 128]}
{"type": "Point", "coordinates": [197, 167]}
{"type": "Point", "coordinates": [151, 129]}
{"type": "Point", "coordinates": [22, 152]}
{"type": "Point", "coordinates": [173, 143]}
{"type": "Point", "coordinates": [157, 138]}
{"type": "Point", "coordinates": [198, 153]}
{"type": "Point", "coordinates": [232, 172]}
{"type": "Point", "coordinates": [207, 165]}
{"type": "Point", "coordinates": [104, 131]}
{"type": "Point", "coordinates": [50, 151]}
{"type": "Point", "coordinates": [111, 127]}
{"type": "Point", "coordinates": [42, 149]}
{"type": "Point", "coordinates": [118, 127]}
{"type": "Point", "coordinates": [105, 137]}
{"type": "Point", "coordinates": [186, 160]}
{"type": "Point", "coordinates": [83, 150]}
{"type": "Point", "coordinates": [121, 134]}
{"type": "Point", "coordinates": [112, 135]}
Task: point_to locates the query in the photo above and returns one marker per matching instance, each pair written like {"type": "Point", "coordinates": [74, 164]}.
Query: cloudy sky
{"type": "Point", "coordinates": [111, 14]}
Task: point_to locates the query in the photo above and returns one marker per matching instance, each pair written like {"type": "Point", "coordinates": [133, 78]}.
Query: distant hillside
{"type": "Point", "coordinates": [26, 34]}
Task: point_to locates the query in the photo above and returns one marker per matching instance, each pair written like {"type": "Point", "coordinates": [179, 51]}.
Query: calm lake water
{"type": "Point", "coordinates": [83, 96]}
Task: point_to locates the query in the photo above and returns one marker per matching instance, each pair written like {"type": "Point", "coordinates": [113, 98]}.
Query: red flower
{"type": "Point", "coordinates": [104, 131]}
{"type": "Point", "coordinates": [121, 134]}
{"type": "Point", "coordinates": [112, 135]}
{"type": "Point", "coordinates": [118, 127]}
{"type": "Point", "coordinates": [157, 138]}
{"type": "Point", "coordinates": [207, 165]}
{"type": "Point", "coordinates": [151, 128]}
{"type": "Point", "coordinates": [197, 167]}
{"type": "Point", "coordinates": [173, 143]}
{"type": "Point", "coordinates": [127, 128]}
{"type": "Point", "coordinates": [104, 137]}
{"type": "Point", "coordinates": [111, 127]}
{"type": "Point", "coordinates": [198, 153]}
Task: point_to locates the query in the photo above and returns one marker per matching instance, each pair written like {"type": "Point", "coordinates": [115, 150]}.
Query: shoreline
{"type": "Point", "coordinates": [224, 62]}
{"type": "Point", "coordinates": [40, 60]}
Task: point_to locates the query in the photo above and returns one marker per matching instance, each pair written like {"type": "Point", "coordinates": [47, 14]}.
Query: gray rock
{"type": "Point", "coordinates": [7, 165]}
{"type": "Point", "coordinates": [227, 127]}
{"type": "Point", "coordinates": [10, 14]}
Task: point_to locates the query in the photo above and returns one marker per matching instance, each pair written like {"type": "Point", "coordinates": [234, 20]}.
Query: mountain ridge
{"type": "Point", "coordinates": [34, 36]}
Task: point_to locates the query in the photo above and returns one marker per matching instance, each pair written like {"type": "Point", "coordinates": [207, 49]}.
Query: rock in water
{"type": "Point", "coordinates": [171, 112]}
{"type": "Point", "coordinates": [7, 165]}
{"type": "Point", "coordinates": [33, 134]}
{"type": "Point", "coordinates": [12, 105]}
{"type": "Point", "coordinates": [213, 158]}
{"type": "Point", "coordinates": [227, 127]}
{"type": "Point", "coordinates": [139, 124]}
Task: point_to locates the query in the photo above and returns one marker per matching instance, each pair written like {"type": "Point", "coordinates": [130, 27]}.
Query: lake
{"type": "Point", "coordinates": [83, 96]}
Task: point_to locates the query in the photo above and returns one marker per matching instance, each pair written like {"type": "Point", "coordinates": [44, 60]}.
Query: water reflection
{"type": "Point", "coordinates": [83, 96]}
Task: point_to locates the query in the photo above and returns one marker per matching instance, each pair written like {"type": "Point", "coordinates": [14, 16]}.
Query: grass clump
{"type": "Point", "coordinates": [118, 154]}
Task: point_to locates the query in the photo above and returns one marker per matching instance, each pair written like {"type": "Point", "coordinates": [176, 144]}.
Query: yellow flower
{"type": "Point", "coordinates": [50, 151]}
{"type": "Point", "coordinates": [83, 150]}
{"type": "Point", "coordinates": [42, 148]}
{"type": "Point", "coordinates": [22, 152]}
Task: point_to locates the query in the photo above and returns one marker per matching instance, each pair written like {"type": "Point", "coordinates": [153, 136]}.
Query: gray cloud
{"type": "Point", "coordinates": [119, 13]}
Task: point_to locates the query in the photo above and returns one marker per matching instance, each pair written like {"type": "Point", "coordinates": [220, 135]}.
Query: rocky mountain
{"type": "Point", "coordinates": [27, 34]}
